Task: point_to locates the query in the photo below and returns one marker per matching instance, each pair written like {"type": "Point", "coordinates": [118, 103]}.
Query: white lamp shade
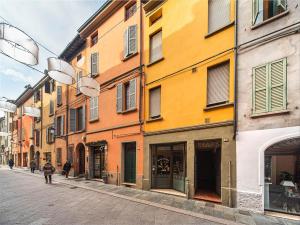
{"type": "Point", "coordinates": [31, 111]}
{"type": "Point", "coordinates": [18, 45]}
{"type": "Point", "coordinates": [61, 71]}
{"type": "Point", "coordinates": [88, 86]}
{"type": "Point", "coordinates": [7, 106]}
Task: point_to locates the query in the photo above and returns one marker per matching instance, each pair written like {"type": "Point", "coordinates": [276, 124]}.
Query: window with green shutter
{"type": "Point", "coordinates": [269, 87]}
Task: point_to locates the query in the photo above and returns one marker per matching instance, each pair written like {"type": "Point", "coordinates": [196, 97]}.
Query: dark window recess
{"type": "Point", "coordinates": [77, 119]}
{"type": "Point", "coordinates": [47, 87]}
{"type": "Point", "coordinates": [94, 39]}
{"type": "Point", "coordinates": [37, 96]}
{"type": "Point", "coordinates": [78, 57]}
{"type": "Point", "coordinates": [51, 108]}
{"type": "Point", "coordinates": [59, 126]}
{"type": "Point", "coordinates": [59, 95]}
{"type": "Point", "coordinates": [58, 156]}
{"type": "Point", "coordinates": [130, 11]}
{"type": "Point", "coordinates": [37, 138]}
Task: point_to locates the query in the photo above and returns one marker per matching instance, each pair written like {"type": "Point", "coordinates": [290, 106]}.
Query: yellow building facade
{"type": "Point", "coordinates": [189, 98]}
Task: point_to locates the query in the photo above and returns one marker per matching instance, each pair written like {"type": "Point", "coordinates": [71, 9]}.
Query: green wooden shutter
{"type": "Point", "coordinates": [125, 39]}
{"type": "Point", "coordinates": [260, 93]}
{"type": "Point", "coordinates": [62, 125]}
{"type": "Point", "coordinates": [277, 84]}
{"type": "Point", "coordinates": [255, 10]}
{"type": "Point", "coordinates": [119, 98]}
{"type": "Point", "coordinates": [72, 120]}
{"type": "Point", "coordinates": [132, 93]}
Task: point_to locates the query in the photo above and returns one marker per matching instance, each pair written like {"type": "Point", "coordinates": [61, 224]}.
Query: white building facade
{"type": "Point", "coordinates": [268, 106]}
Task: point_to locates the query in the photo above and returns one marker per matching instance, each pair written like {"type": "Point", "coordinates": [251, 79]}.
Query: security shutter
{"type": "Point", "coordinates": [156, 47]}
{"type": "Point", "coordinates": [155, 102]}
{"type": "Point", "coordinates": [132, 37]}
{"type": "Point", "coordinates": [59, 95]}
{"type": "Point", "coordinates": [132, 93]}
{"type": "Point", "coordinates": [218, 84]}
{"type": "Point", "coordinates": [125, 40]}
{"type": "Point", "coordinates": [260, 91]}
{"type": "Point", "coordinates": [94, 63]}
{"type": "Point", "coordinates": [218, 14]}
{"type": "Point", "coordinates": [72, 120]}
{"type": "Point", "coordinates": [119, 97]}
{"type": "Point", "coordinates": [277, 85]}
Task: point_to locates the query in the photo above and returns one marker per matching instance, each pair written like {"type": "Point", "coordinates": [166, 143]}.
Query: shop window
{"type": "Point", "coordinates": [265, 9]}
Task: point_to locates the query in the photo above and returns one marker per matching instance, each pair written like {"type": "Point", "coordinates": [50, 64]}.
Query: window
{"type": "Point", "coordinates": [59, 95]}
{"type": "Point", "coordinates": [78, 57]}
{"type": "Point", "coordinates": [218, 14]}
{"type": "Point", "coordinates": [58, 156]}
{"type": "Point", "coordinates": [155, 17]}
{"type": "Point", "coordinates": [263, 10]}
{"type": "Point", "coordinates": [51, 108]}
{"type": "Point", "coordinates": [59, 126]}
{"type": "Point", "coordinates": [269, 87]}
{"type": "Point", "coordinates": [156, 47]}
{"type": "Point", "coordinates": [37, 137]}
{"type": "Point", "coordinates": [50, 134]}
{"type": "Point", "coordinates": [48, 156]}
{"type": "Point", "coordinates": [70, 154]}
{"type": "Point", "coordinates": [79, 75]}
{"type": "Point", "coordinates": [126, 96]}
{"type": "Point", "coordinates": [218, 84]}
{"type": "Point", "coordinates": [94, 39]}
{"type": "Point", "coordinates": [130, 10]}
{"type": "Point", "coordinates": [154, 103]}
{"type": "Point", "coordinates": [94, 64]}
{"type": "Point", "coordinates": [37, 96]}
{"type": "Point", "coordinates": [50, 86]}
{"type": "Point", "coordinates": [77, 119]}
{"type": "Point", "coordinates": [93, 108]}
{"type": "Point", "coordinates": [130, 41]}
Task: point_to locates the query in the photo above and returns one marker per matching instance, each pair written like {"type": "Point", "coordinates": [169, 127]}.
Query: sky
{"type": "Point", "coordinates": [53, 23]}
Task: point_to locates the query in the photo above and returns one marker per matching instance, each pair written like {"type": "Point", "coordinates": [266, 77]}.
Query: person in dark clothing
{"type": "Point", "coordinates": [67, 168]}
{"type": "Point", "coordinates": [32, 166]}
{"type": "Point", "coordinates": [48, 171]}
{"type": "Point", "coordinates": [11, 163]}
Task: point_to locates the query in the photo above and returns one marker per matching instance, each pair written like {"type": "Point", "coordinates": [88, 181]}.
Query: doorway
{"type": "Point", "coordinates": [37, 159]}
{"type": "Point", "coordinates": [208, 170]}
{"type": "Point", "coordinates": [31, 156]}
{"type": "Point", "coordinates": [98, 161]}
{"type": "Point", "coordinates": [130, 162]}
{"type": "Point", "coordinates": [81, 159]}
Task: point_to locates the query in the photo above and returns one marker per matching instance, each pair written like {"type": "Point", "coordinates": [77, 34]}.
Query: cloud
{"type": "Point", "coordinates": [17, 76]}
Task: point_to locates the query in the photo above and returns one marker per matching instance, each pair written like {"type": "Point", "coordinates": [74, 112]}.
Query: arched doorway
{"type": "Point", "coordinates": [282, 176]}
{"type": "Point", "coordinates": [31, 154]}
{"type": "Point", "coordinates": [81, 159]}
{"type": "Point", "coordinates": [37, 159]}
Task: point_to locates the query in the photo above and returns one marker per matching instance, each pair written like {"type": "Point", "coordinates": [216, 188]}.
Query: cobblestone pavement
{"type": "Point", "coordinates": [28, 200]}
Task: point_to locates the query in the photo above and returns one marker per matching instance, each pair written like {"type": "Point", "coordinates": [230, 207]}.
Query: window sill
{"type": "Point", "coordinates": [129, 56]}
{"type": "Point", "coordinates": [128, 111]}
{"type": "Point", "coordinates": [253, 116]}
{"type": "Point", "coordinates": [154, 119]}
{"type": "Point", "coordinates": [94, 75]}
{"type": "Point", "coordinates": [208, 108]}
{"type": "Point", "coordinates": [51, 114]}
{"type": "Point", "coordinates": [94, 120]}
{"type": "Point", "coordinates": [156, 61]}
{"type": "Point", "coordinates": [58, 105]}
{"type": "Point", "coordinates": [76, 132]}
{"type": "Point", "coordinates": [270, 20]}
{"type": "Point", "coordinates": [77, 94]}
{"type": "Point", "coordinates": [219, 30]}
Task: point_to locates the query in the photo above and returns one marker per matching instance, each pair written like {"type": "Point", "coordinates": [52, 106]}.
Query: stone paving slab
{"type": "Point", "coordinates": [200, 209]}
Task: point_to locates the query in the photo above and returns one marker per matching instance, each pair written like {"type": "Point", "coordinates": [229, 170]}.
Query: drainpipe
{"type": "Point", "coordinates": [141, 67]}
{"type": "Point", "coordinates": [67, 121]}
{"type": "Point", "coordinates": [235, 70]}
{"type": "Point", "coordinates": [21, 138]}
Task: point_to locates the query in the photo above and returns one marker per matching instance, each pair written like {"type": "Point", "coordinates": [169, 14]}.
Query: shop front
{"type": "Point", "coordinates": [97, 151]}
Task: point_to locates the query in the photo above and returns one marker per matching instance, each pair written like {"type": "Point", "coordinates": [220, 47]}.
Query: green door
{"type": "Point", "coordinates": [130, 163]}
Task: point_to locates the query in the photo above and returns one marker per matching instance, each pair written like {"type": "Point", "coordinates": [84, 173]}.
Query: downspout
{"type": "Point", "coordinates": [235, 70]}
{"type": "Point", "coordinates": [141, 68]}
{"type": "Point", "coordinates": [21, 137]}
{"type": "Point", "coordinates": [67, 121]}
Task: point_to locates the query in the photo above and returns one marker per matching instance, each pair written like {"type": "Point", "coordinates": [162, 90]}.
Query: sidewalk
{"type": "Point", "coordinates": [200, 209]}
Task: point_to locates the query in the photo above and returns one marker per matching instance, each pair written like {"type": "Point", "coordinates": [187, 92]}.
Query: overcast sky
{"type": "Point", "coordinates": [53, 23]}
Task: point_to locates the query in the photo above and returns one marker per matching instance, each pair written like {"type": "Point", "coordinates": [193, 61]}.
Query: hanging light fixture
{"type": "Point", "coordinates": [61, 71]}
{"type": "Point", "coordinates": [31, 111]}
{"type": "Point", "coordinates": [7, 106]}
{"type": "Point", "coordinates": [88, 86]}
{"type": "Point", "coordinates": [18, 45]}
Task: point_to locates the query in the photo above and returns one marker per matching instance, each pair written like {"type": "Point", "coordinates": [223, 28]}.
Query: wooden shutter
{"type": "Point", "coordinates": [94, 64]}
{"type": "Point", "coordinates": [156, 47]}
{"type": "Point", "coordinates": [218, 84]}
{"type": "Point", "coordinates": [155, 103]}
{"type": "Point", "coordinates": [62, 132]}
{"type": "Point", "coordinates": [132, 36]}
{"type": "Point", "coordinates": [132, 93]}
{"type": "Point", "coordinates": [91, 108]}
{"type": "Point", "coordinates": [83, 118]}
{"type": "Point", "coordinates": [59, 95]}
{"type": "Point", "coordinates": [125, 40]}
{"type": "Point", "coordinates": [260, 92]}
{"type": "Point", "coordinates": [119, 97]}
{"type": "Point", "coordinates": [72, 120]}
{"type": "Point", "coordinates": [218, 14]}
{"type": "Point", "coordinates": [277, 79]}
{"type": "Point", "coordinates": [255, 10]}
{"type": "Point", "coordinates": [47, 135]}
{"type": "Point", "coordinates": [56, 126]}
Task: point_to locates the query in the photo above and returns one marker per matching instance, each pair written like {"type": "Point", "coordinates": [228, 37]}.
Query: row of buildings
{"type": "Point", "coordinates": [198, 98]}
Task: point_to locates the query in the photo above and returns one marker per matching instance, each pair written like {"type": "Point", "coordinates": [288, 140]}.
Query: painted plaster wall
{"type": "Point", "coordinates": [250, 147]}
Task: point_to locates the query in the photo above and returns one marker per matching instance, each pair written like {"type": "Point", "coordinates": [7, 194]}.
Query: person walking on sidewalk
{"type": "Point", "coordinates": [48, 171]}
{"type": "Point", "coordinates": [11, 163]}
{"type": "Point", "coordinates": [32, 166]}
{"type": "Point", "coordinates": [67, 168]}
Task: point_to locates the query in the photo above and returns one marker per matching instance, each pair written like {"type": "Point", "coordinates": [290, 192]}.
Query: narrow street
{"type": "Point", "coordinates": [26, 199]}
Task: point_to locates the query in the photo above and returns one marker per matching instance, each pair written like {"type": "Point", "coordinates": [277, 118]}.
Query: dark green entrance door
{"type": "Point", "coordinates": [130, 162]}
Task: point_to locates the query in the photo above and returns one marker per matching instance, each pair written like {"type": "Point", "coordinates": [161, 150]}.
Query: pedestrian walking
{"type": "Point", "coordinates": [32, 166]}
{"type": "Point", "coordinates": [67, 168]}
{"type": "Point", "coordinates": [48, 171]}
{"type": "Point", "coordinates": [11, 163]}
